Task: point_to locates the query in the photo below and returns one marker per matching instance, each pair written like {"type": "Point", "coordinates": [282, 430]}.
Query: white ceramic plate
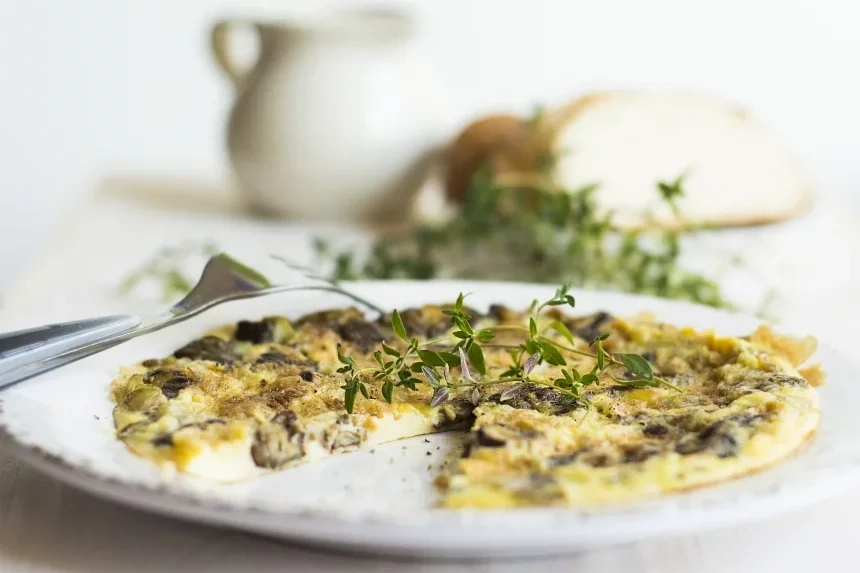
{"type": "Point", "coordinates": [382, 501]}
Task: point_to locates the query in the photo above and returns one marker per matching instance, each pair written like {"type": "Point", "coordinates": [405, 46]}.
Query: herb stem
{"type": "Point", "coordinates": [611, 360]}
{"type": "Point", "coordinates": [526, 380]}
{"type": "Point", "coordinates": [402, 370]}
{"type": "Point", "coordinates": [523, 226]}
{"type": "Point", "coordinates": [508, 327]}
{"type": "Point", "coordinates": [485, 383]}
{"type": "Point", "coordinates": [573, 350]}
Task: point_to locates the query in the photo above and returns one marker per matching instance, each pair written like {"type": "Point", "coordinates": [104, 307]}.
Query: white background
{"type": "Point", "coordinates": [97, 87]}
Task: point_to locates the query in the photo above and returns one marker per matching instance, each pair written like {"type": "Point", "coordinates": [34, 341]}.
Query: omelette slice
{"type": "Point", "coordinates": [739, 407]}
{"type": "Point", "coordinates": [253, 397]}
{"type": "Point", "coordinates": [261, 396]}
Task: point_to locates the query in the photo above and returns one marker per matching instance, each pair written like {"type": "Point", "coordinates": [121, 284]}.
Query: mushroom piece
{"type": "Point", "coordinates": [497, 435]}
{"type": "Point", "coordinates": [278, 442]}
{"type": "Point", "coordinates": [209, 348]}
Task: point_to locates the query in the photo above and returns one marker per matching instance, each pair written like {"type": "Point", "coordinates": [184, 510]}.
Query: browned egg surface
{"type": "Point", "coordinates": [264, 395]}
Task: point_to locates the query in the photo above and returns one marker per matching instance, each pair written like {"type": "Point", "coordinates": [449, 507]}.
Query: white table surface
{"type": "Point", "coordinates": [45, 526]}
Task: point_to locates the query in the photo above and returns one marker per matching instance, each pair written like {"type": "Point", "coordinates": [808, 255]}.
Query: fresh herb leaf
{"type": "Point", "coordinates": [560, 328]}
{"type": "Point", "coordinates": [599, 338]}
{"type": "Point", "coordinates": [551, 355]}
{"type": "Point", "coordinates": [543, 234]}
{"type": "Point", "coordinates": [431, 376]}
{"type": "Point", "coordinates": [672, 191]}
{"type": "Point", "coordinates": [475, 397]}
{"type": "Point", "coordinates": [449, 358]}
{"type": "Point", "coordinates": [485, 335]}
{"type": "Point", "coordinates": [348, 360]}
{"type": "Point", "coordinates": [530, 364]}
{"type": "Point", "coordinates": [589, 378]}
{"type": "Point", "coordinates": [476, 357]}
{"type": "Point", "coordinates": [641, 383]}
{"type": "Point", "coordinates": [350, 393]}
{"type": "Point", "coordinates": [637, 366]}
{"type": "Point", "coordinates": [468, 353]}
{"type": "Point", "coordinates": [389, 350]}
{"type": "Point", "coordinates": [397, 325]}
{"type": "Point", "coordinates": [464, 366]}
{"type": "Point", "coordinates": [388, 391]}
{"type": "Point", "coordinates": [440, 396]}
{"type": "Point", "coordinates": [509, 393]}
{"type": "Point", "coordinates": [431, 358]}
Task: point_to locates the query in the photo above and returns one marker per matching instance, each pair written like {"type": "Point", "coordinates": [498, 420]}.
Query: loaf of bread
{"type": "Point", "coordinates": [735, 171]}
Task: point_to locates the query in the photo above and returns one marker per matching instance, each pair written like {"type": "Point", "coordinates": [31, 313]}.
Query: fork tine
{"type": "Point", "coordinates": [313, 275]}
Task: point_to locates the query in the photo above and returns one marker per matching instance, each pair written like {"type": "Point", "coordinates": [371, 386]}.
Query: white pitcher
{"type": "Point", "coordinates": [330, 122]}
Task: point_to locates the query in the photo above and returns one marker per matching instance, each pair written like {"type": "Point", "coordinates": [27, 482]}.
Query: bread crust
{"type": "Point", "coordinates": [505, 142]}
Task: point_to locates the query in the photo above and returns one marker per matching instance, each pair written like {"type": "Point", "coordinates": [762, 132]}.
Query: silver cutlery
{"type": "Point", "coordinates": [26, 353]}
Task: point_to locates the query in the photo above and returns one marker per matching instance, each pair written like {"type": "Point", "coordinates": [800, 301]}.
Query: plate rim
{"type": "Point", "coordinates": [72, 473]}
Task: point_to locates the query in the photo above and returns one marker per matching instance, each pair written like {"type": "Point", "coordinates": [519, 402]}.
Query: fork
{"type": "Point", "coordinates": [27, 353]}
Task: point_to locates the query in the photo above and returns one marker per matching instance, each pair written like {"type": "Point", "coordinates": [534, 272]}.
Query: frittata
{"type": "Point", "coordinates": [261, 396]}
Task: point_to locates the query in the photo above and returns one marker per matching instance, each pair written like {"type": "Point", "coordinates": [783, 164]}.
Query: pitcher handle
{"type": "Point", "coordinates": [219, 37]}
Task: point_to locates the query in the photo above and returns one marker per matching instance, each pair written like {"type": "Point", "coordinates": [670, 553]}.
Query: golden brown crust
{"type": "Point", "coordinates": [796, 350]}
{"type": "Point", "coordinates": [814, 375]}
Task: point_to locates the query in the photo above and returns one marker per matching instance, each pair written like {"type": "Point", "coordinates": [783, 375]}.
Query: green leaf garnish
{"type": "Point", "coordinates": [431, 358]}
{"type": "Point", "coordinates": [431, 376]}
{"type": "Point", "coordinates": [465, 350]}
{"type": "Point", "coordinates": [440, 396]}
{"type": "Point", "coordinates": [637, 366]}
{"type": "Point", "coordinates": [389, 350]}
{"type": "Point", "coordinates": [476, 357]}
{"type": "Point", "coordinates": [539, 234]}
{"type": "Point", "coordinates": [562, 329]}
{"type": "Point", "coordinates": [485, 335]}
{"type": "Point", "coordinates": [350, 393]}
{"type": "Point", "coordinates": [551, 355]}
{"type": "Point", "coordinates": [589, 378]}
{"type": "Point", "coordinates": [388, 391]}
{"type": "Point", "coordinates": [397, 325]}
{"type": "Point", "coordinates": [450, 358]}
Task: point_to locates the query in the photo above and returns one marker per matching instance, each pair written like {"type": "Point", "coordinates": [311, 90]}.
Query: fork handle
{"type": "Point", "coordinates": [25, 349]}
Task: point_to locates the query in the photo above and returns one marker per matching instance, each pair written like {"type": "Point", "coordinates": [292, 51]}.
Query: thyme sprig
{"type": "Point", "coordinates": [465, 350]}
{"type": "Point", "coordinates": [537, 233]}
